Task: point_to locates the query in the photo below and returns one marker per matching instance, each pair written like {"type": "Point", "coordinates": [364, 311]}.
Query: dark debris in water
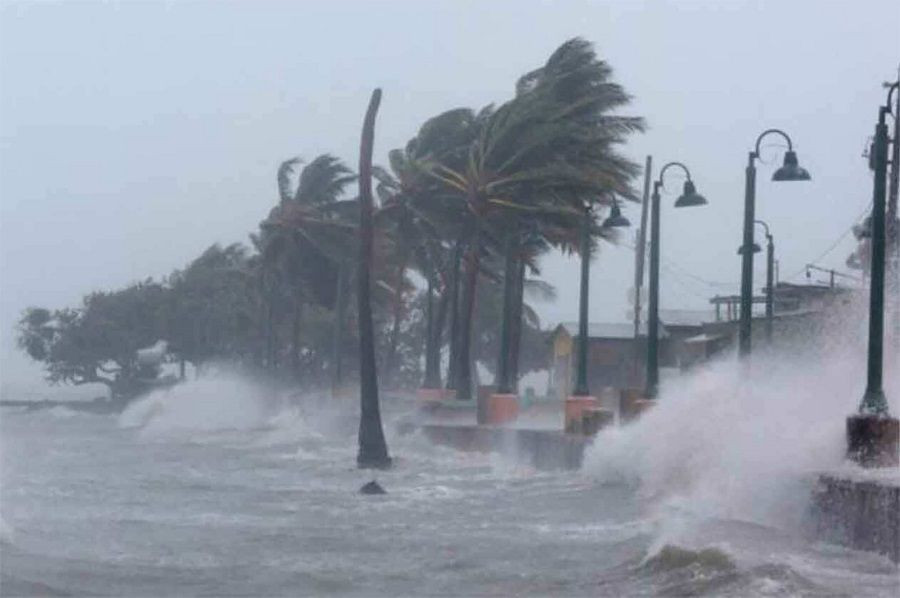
{"type": "Point", "coordinates": [372, 487]}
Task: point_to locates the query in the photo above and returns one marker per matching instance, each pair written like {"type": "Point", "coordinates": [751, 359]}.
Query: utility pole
{"type": "Point", "coordinates": [893, 229]}
{"type": "Point", "coordinates": [641, 246]}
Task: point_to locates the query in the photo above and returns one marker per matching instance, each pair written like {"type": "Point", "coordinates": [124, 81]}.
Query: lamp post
{"type": "Point", "coordinates": [770, 277]}
{"type": "Point", "coordinates": [872, 435]}
{"type": "Point", "coordinates": [581, 395]}
{"type": "Point", "coordinates": [615, 220]}
{"type": "Point", "coordinates": [689, 197]}
{"type": "Point", "coordinates": [789, 171]}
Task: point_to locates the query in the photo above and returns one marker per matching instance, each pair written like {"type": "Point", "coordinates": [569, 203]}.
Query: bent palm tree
{"type": "Point", "coordinates": [538, 157]}
{"type": "Point", "coordinates": [373, 452]}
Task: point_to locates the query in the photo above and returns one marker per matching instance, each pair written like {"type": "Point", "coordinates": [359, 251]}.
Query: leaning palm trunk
{"type": "Point", "coordinates": [432, 341]}
{"type": "Point", "coordinates": [453, 290]}
{"type": "Point", "coordinates": [435, 339]}
{"type": "Point", "coordinates": [505, 383]}
{"type": "Point", "coordinates": [271, 350]}
{"type": "Point", "coordinates": [515, 337]}
{"type": "Point", "coordinates": [390, 362]}
{"type": "Point", "coordinates": [295, 339]}
{"type": "Point", "coordinates": [337, 346]}
{"type": "Point", "coordinates": [373, 450]}
{"type": "Point", "coordinates": [467, 310]}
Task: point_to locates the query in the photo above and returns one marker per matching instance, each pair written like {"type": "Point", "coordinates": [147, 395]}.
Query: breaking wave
{"type": "Point", "coordinates": [214, 403]}
{"type": "Point", "coordinates": [718, 446]}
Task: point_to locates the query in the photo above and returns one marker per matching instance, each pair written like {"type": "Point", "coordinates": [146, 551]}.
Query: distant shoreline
{"type": "Point", "coordinates": [99, 405]}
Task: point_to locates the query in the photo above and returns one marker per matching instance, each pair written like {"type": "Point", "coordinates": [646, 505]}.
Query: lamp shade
{"type": "Point", "coordinates": [616, 219]}
{"type": "Point", "coordinates": [756, 249]}
{"type": "Point", "coordinates": [791, 170]}
{"type": "Point", "coordinates": [864, 229]}
{"type": "Point", "coordinates": [690, 197]}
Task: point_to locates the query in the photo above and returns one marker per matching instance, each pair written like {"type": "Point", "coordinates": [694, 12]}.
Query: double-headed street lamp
{"type": "Point", "coordinates": [770, 277]}
{"type": "Point", "coordinates": [789, 171]}
{"type": "Point", "coordinates": [688, 198]}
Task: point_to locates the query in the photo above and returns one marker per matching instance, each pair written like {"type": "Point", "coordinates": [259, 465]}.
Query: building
{"type": "Point", "coordinates": [615, 358]}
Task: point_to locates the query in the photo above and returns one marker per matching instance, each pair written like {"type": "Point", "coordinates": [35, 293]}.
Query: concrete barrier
{"type": "Point", "coordinates": [541, 449]}
{"type": "Point", "coordinates": [574, 409]}
{"type": "Point", "coordinates": [502, 408]}
{"type": "Point", "coordinates": [860, 513]}
{"type": "Point", "coordinates": [594, 419]}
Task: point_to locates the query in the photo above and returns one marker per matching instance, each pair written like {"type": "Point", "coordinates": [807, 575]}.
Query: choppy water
{"type": "Point", "coordinates": [208, 492]}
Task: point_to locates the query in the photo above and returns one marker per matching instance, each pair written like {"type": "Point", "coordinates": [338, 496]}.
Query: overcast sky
{"type": "Point", "coordinates": [135, 134]}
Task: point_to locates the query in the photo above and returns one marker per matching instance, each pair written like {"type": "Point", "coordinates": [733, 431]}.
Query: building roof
{"type": "Point", "coordinates": [686, 317]}
{"type": "Point", "coordinates": [617, 330]}
{"type": "Point", "coordinates": [704, 338]}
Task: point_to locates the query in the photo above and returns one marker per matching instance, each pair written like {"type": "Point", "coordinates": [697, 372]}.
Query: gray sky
{"type": "Point", "coordinates": [135, 134]}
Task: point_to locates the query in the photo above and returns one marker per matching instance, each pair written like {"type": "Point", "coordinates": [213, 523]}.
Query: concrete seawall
{"type": "Point", "coordinates": [861, 513]}
{"type": "Point", "coordinates": [541, 449]}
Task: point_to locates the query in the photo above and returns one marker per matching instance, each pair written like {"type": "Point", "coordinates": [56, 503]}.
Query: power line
{"type": "Point", "coordinates": [834, 244]}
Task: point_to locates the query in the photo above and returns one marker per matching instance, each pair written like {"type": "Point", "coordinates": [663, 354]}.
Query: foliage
{"type": "Point", "coordinates": [499, 186]}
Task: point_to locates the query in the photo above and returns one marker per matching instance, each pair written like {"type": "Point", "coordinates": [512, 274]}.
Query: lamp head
{"type": "Point", "coordinates": [690, 197]}
{"type": "Point", "coordinates": [864, 230]}
{"type": "Point", "coordinates": [756, 249]}
{"type": "Point", "coordinates": [616, 219]}
{"type": "Point", "coordinates": [791, 170]}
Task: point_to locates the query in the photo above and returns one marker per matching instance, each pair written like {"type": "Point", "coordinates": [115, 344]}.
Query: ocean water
{"type": "Point", "coordinates": [216, 488]}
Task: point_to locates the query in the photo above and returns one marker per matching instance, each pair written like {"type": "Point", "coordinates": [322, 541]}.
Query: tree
{"type": "Point", "coordinates": [305, 236]}
{"type": "Point", "coordinates": [538, 157]}
{"type": "Point", "coordinates": [373, 452]}
{"type": "Point", "coordinates": [98, 342]}
{"type": "Point", "coordinates": [211, 307]}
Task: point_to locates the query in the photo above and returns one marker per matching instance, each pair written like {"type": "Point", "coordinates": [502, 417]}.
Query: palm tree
{"type": "Point", "coordinates": [538, 157]}
{"type": "Point", "coordinates": [302, 238]}
{"type": "Point", "coordinates": [422, 221]}
{"type": "Point", "coordinates": [373, 452]}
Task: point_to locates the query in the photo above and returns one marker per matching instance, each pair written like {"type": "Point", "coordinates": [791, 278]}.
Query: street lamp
{"type": "Point", "coordinates": [789, 171]}
{"type": "Point", "coordinates": [581, 395]}
{"type": "Point", "coordinates": [770, 277]}
{"type": "Point", "coordinates": [688, 198]}
{"type": "Point", "coordinates": [615, 220]}
{"type": "Point", "coordinates": [872, 435]}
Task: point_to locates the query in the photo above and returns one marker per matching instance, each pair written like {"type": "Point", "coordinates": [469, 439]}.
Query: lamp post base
{"type": "Point", "coordinates": [574, 409]}
{"type": "Point", "coordinates": [873, 441]}
{"type": "Point", "coordinates": [501, 409]}
{"type": "Point", "coordinates": [594, 419]}
{"type": "Point", "coordinates": [636, 408]}
{"type": "Point", "coordinates": [429, 398]}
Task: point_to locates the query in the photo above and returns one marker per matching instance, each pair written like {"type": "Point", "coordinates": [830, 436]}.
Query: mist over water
{"type": "Point", "coordinates": [224, 484]}
{"type": "Point", "coordinates": [221, 485]}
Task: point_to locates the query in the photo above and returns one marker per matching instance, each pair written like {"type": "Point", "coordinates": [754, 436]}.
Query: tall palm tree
{"type": "Point", "coordinates": [373, 451]}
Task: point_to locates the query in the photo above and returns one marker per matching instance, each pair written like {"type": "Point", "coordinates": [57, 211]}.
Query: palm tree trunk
{"type": "Point", "coordinates": [432, 342]}
{"type": "Point", "coordinates": [391, 359]}
{"type": "Point", "coordinates": [470, 287]}
{"type": "Point", "coordinates": [337, 352]}
{"type": "Point", "coordinates": [510, 275]}
{"type": "Point", "coordinates": [373, 452]}
{"type": "Point", "coordinates": [270, 332]}
{"type": "Point", "coordinates": [295, 339]}
{"type": "Point", "coordinates": [516, 333]}
{"type": "Point", "coordinates": [453, 289]}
